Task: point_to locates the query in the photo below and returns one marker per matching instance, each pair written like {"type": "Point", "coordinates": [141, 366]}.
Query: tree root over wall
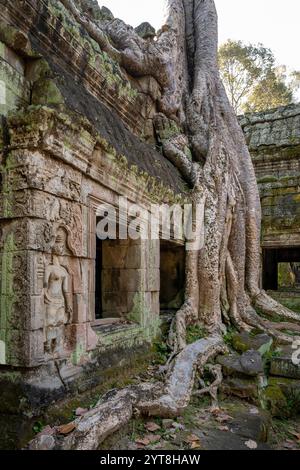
{"type": "Point", "coordinates": [168, 400]}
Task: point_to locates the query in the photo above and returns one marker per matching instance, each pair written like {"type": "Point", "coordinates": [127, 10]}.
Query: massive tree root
{"type": "Point", "coordinates": [201, 136]}
{"type": "Point", "coordinates": [117, 409]}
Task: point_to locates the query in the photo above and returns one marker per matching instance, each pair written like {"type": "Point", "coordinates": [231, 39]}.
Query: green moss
{"type": "Point", "coordinates": [7, 296]}
{"type": "Point", "coordinates": [14, 87]}
{"type": "Point", "coordinates": [228, 337]}
{"type": "Point", "coordinates": [78, 354]}
{"type": "Point", "coordinates": [46, 92]}
{"type": "Point", "coordinates": [267, 179]}
{"type": "Point", "coordinates": [161, 351]}
{"type": "Point", "coordinates": [238, 344]}
{"type": "Point", "coordinates": [273, 400]}
{"type": "Point", "coordinates": [97, 59]}
{"type": "Point", "coordinates": [15, 39]}
{"type": "Point", "coordinates": [170, 131]}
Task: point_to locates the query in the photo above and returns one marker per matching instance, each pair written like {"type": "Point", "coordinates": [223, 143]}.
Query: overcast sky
{"type": "Point", "coordinates": [274, 23]}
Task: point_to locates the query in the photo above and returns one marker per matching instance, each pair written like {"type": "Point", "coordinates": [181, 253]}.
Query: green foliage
{"type": "Point", "coordinates": [229, 337]}
{"type": "Point", "coordinates": [38, 427]}
{"type": "Point", "coordinates": [251, 78]}
{"type": "Point", "coordinates": [270, 92]}
{"type": "Point", "coordinates": [194, 333]}
{"type": "Point", "coordinates": [162, 352]}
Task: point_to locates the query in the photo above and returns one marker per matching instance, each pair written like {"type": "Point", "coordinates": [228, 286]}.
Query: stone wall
{"type": "Point", "coordinates": [273, 138]}
{"type": "Point", "coordinates": [74, 135]}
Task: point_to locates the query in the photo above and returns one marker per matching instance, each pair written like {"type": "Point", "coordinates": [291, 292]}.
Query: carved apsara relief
{"type": "Point", "coordinates": [57, 296]}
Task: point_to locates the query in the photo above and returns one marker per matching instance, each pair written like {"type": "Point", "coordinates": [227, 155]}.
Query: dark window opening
{"type": "Point", "coordinates": [172, 276]}
{"type": "Point", "coordinates": [281, 269]}
{"type": "Point", "coordinates": [98, 279]}
{"type": "Point", "coordinates": [117, 278]}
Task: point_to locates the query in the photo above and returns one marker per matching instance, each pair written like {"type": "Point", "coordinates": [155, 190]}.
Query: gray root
{"type": "Point", "coordinates": [212, 389]}
{"type": "Point", "coordinates": [117, 410]}
{"type": "Point", "coordinates": [179, 385]}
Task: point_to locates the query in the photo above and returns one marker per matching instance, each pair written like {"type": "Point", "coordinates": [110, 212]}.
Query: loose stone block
{"type": "Point", "coordinates": [283, 365]}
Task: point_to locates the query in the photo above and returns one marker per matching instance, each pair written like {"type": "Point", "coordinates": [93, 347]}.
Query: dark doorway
{"type": "Point", "coordinates": [118, 276]}
{"type": "Point", "coordinates": [281, 268]}
{"type": "Point", "coordinates": [98, 280]}
{"type": "Point", "coordinates": [172, 276]}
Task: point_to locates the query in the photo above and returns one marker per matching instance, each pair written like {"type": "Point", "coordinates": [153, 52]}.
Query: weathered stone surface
{"type": "Point", "coordinates": [244, 427]}
{"type": "Point", "coordinates": [283, 365]}
{"type": "Point", "coordinates": [281, 397]}
{"type": "Point", "coordinates": [273, 138]}
{"type": "Point", "coordinates": [290, 389]}
{"type": "Point", "coordinates": [145, 30]}
{"type": "Point", "coordinates": [43, 442]}
{"type": "Point", "coordinates": [275, 127]}
{"type": "Point", "coordinates": [243, 342]}
{"type": "Point", "coordinates": [274, 400]}
{"type": "Point", "coordinates": [248, 364]}
{"type": "Point", "coordinates": [242, 388]}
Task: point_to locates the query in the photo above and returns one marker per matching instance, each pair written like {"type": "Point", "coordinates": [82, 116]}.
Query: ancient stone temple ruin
{"type": "Point", "coordinates": [77, 133]}
{"type": "Point", "coordinates": [273, 138]}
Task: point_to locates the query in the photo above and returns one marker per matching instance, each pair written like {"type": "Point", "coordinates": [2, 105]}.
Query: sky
{"type": "Point", "coordinates": [274, 23]}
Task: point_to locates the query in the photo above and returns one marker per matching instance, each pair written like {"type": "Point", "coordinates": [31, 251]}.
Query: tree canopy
{"type": "Point", "coordinates": [251, 78]}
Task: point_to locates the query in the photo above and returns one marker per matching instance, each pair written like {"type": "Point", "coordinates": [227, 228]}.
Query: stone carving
{"type": "Point", "coordinates": [72, 216]}
{"type": "Point", "coordinates": [57, 296]}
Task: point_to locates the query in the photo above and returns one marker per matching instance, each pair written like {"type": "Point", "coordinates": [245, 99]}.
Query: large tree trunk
{"type": "Point", "coordinates": [227, 269]}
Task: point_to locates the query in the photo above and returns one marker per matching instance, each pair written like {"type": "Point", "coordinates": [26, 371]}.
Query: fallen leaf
{"type": "Point", "coordinates": [153, 438]}
{"type": "Point", "coordinates": [66, 428]}
{"type": "Point", "coordinates": [140, 446]}
{"type": "Point", "coordinates": [223, 418]}
{"type": "Point", "coordinates": [223, 428]}
{"type": "Point", "coordinates": [196, 445]}
{"type": "Point", "coordinates": [251, 445]}
{"type": "Point", "coordinates": [148, 439]}
{"type": "Point", "coordinates": [192, 438]}
{"type": "Point", "coordinates": [152, 427]}
{"type": "Point", "coordinates": [215, 410]}
{"type": "Point", "coordinates": [142, 442]}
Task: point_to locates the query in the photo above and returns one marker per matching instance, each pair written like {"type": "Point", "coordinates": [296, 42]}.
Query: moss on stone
{"type": "Point", "coordinates": [46, 92]}
{"type": "Point", "coordinates": [267, 179]}
{"type": "Point", "coordinates": [238, 344]}
{"type": "Point", "coordinates": [97, 59]}
{"type": "Point", "coordinates": [7, 296]}
{"type": "Point", "coordinates": [273, 400]}
{"type": "Point", "coordinates": [15, 39]}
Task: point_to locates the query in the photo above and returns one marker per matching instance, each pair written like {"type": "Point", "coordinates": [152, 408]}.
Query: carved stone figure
{"type": "Point", "coordinates": [57, 297]}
